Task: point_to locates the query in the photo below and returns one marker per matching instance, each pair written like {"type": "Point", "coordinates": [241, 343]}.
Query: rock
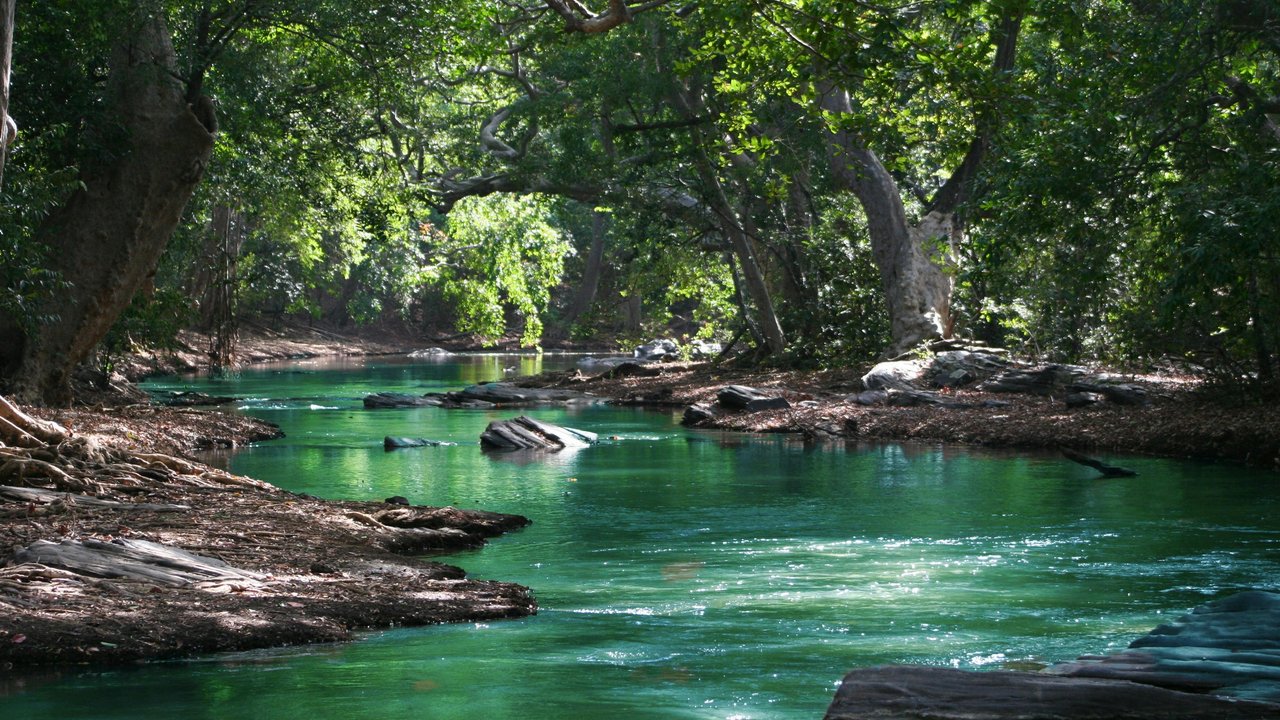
{"type": "Point", "coordinates": [507, 394]}
{"type": "Point", "coordinates": [397, 500]}
{"type": "Point", "coordinates": [956, 368]}
{"type": "Point", "coordinates": [658, 350]}
{"type": "Point", "coordinates": [1049, 380]}
{"type": "Point", "coordinates": [594, 364]}
{"type": "Point", "coordinates": [898, 374]}
{"type": "Point", "coordinates": [397, 400]}
{"type": "Point", "coordinates": [935, 693]}
{"type": "Point", "coordinates": [741, 397]}
{"type": "Point", "coordinates": [395, 443]}
{"type": "Point", "coordinates": [525, 433]}
{"type": "Point", "coordinates": [870, 397]}
{"type": "Point", "coordinates": [1228, 647]}
{"type": "Point", "coordinates": [193, 399]}
{"type": "Point", "coordinates": [1083, 399]}
{"type": "Point", "coordinates": [704, 349]}
{"type": "Point", "coordinates": [631, 369]}
{"type": "Point", "coordinates": [1120, 393]}
{"type": "Point", "coordinates": [431, 352]}
{"type": "Point", "coordinates": [698, 413]}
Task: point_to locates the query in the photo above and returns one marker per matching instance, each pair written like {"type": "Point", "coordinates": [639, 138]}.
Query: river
{"type": "Point", "coordinates": [690, 574]}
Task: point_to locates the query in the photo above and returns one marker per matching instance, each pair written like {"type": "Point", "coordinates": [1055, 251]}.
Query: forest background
{"type": "Point", "coordinates": [828, 182]}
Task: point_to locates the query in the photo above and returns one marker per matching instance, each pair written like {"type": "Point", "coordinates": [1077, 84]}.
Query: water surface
{"type": "Point", "coordinates": [686, 574]}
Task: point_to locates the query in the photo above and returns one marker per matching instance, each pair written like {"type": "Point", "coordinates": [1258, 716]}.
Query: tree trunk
{"type": "Point", "coordinates": [917, 289]}
{"type": "Point", "coordinates": [109, 235]}
{"type": "Point", "coordinates": [8, 129]}
{"type": "Point", "coordinates": [585, 297]}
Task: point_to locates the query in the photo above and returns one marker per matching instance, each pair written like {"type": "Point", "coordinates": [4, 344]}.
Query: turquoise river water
{"type": "Point", "coordinates": [687, 574]}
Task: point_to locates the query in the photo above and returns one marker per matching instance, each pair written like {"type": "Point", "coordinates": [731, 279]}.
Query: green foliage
{"type": "Point", "coordinates": [500, 253]}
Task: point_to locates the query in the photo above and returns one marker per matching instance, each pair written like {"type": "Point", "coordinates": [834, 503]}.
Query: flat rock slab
{"type": "Point", "coordinates": [525, 433]}
{"type": "Point", "coordinates": [932, 693]}
{"type": "Point", "coordinates": [507, 394]}
{"type": "Point", "coordinates": [741, 397]}
{"type": "Point", "coordinates": [397, 400]}
{"type": "Point", "coordinates": [1226, 647]}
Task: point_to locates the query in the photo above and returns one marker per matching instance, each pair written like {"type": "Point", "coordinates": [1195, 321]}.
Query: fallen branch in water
{"type": "Point", "coordinates": [1105, 469]}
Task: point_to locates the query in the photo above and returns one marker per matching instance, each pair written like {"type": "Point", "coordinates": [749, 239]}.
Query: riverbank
{"type": "Point", "coordinates": [1178, 417]}
{"type": "Point", "coordinates": [122, 551]}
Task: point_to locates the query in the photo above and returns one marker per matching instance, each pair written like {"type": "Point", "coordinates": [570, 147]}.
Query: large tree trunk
{"type": "Point", "coordinates": [7, 127]}
{"type": "Point", "coordinates": [917, 290]}
{"type": "Point", "coordinates": [585, 297]}
{"type": "Point", "coordinates": [107, 238]}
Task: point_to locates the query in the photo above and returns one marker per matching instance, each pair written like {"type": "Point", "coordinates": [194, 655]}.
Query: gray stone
{"type": "Point", "coordinates": [698, 413]}
{"type": "Point", "coordinates": [741, 397]}
{"type": "Point", "coordinates": [656, 350]}
{"type": "Point", "coordinates": [398, 400]}
{"type": "Point", "coordinates": [1083, 399]}
{"type": "Point", "coordinates": [935, 693]}
{"type": "Point", "coordinates": [897, 375]}
{"type": "Point", "coordinates": [525, 433]}
{"type": "Point", "coordinates": [870, 397]}
{"type": "Point", "coordinates": [394, 443]}
{"type": "Point", "coordinates": [431, 352]}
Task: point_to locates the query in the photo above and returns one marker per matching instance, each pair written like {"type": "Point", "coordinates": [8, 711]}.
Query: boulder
{"type": "Point", "coordinates": [698, 413]}
{"type": "Point", "coordinates": [658, 350]}
{"type": "Point", "coordinates": [525, 433]}
{"type": "Point", "coordinates": [431, 352]}
{"type": "Point", "coordinates": [896, 374]}
{"type": "Point", "coordinates": [1120, 393]}
{"type": "Point", "coordinates": [937, 693]}
{"type": "Point", "coordinates": [398, 400]}
{"type": "Point", "coordinates": [1049, 380]}
{"type": "Point", "coordinates": [395, 443]}
{"type": "Point", "coordinates": [956, 368]}
{"type": "Point", "coordinates": [741, 397]}
{"type": "Point", "coordinates": [870, 397]}
{"type": "Point", "coordinates": [705, 349]}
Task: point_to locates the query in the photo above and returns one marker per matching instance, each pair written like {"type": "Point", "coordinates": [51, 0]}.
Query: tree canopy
{"type": "Point", "coordinates": [831, 181]}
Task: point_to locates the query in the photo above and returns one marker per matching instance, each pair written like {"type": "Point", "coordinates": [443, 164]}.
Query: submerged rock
{"type": "Point", "coordinates": [525, 433]}
{"type": "Point", "coordinates": [397, 400]}
{"type": "Point", "coordinates": [896, 375]}
{"type": "Point", "coordinates": [395, 443]}
{"type": "Point", "coordinates": [936, 693]}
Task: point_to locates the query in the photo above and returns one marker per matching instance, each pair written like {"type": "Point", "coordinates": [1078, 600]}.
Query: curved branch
{"type": "Point", "coordinates": [578, 18]}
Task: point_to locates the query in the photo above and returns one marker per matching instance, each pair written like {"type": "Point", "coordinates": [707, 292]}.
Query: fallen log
{"type": "Point", "coordinates": [140, 560]}
{"type": "Point", "coordinates": [43, 496]}
{"type": "Point", "coordinates": [1105, 469]}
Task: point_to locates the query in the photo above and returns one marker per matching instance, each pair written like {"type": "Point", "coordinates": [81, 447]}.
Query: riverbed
{"type": "Point", "coordinates": [688, 574]}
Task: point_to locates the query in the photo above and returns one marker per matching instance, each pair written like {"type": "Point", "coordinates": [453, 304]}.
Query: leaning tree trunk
{"type": "Point", "coordinates": [109, 235]}
{"type": "Point", "coordinates": [585, 296]}
{"type": "Point", "coordinates": [910, 257]}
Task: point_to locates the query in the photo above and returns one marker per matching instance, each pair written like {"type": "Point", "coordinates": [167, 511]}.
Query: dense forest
{"type": "Point", "coordinates": [823, 181]}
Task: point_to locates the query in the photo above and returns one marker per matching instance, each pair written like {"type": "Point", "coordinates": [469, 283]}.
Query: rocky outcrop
{"type": "Point", "coordinates": [525, 433]}
{"type": "Point", "coordinates": [1221, 662]}
{"type": "Point", "coordinates": [935, 693]}
{"type": "Point", "coordinates": [1227, 647]}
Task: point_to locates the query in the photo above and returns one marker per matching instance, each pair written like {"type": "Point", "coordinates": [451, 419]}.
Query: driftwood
{"type": "Point", "coordinates": [1105, 469]}
{"type": "Point", "coordinates": [42, 496]}
{"type": "Point", "coordinates": [127, 559]}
